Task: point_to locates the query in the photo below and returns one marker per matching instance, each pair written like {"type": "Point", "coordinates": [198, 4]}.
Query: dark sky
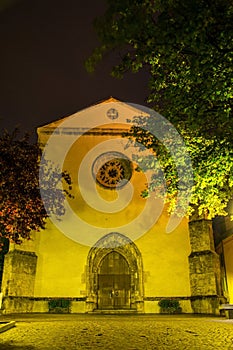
{"type": "Point", "coordinates": [42, 77]}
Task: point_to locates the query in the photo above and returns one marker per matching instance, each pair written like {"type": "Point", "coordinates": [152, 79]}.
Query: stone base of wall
{"type": "Point", "coordinates": [195, 304]}
{"type": "Point", "coordinates": [199, 305]}
{"type": "Point", "coordinates": [78, 307]}
{"type": "Point", "coordinates": [17, 305]}
{"type": "Point", "coordinates": [40, 306]}
{"type": "Point", "coordinates": [13, 304]}
{"type": "Point", "coordinates": [207, 304]}
{"type": "Point", "coordinates": [139, 306]}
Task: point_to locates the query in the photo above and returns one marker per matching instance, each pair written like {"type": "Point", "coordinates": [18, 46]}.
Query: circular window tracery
{"type": "Point", "coordinates": [112, 170]}
{"type": "Point", "coordinates": [112, 113]}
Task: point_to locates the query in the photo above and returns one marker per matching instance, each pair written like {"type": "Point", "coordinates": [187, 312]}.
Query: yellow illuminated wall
{"type": "Point", "coordinates": [62, 262]}
{"type": "Point", "coordinates": [228, 257]}
{"type": "Point", "coordinates": [61, 267]}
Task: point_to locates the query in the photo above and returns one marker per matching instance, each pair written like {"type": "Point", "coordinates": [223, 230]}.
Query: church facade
{"type": "Point", "coordinates": [111, 252]}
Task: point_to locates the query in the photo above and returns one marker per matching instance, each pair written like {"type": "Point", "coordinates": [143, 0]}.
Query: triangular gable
{"type": "Point", "coordinates": [100, 113]}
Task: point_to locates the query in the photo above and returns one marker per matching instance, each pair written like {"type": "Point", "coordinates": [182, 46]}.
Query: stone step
{"type": "Point", "coordinates": [4, 326]}
{"type": "Point", "coordinates": [113, 312]}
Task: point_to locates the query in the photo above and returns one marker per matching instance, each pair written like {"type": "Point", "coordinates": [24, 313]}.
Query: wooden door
{"type": "Point", "coordinates": [114, 282]}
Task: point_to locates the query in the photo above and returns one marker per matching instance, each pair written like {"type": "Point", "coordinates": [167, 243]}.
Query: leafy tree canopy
{"type": "Point", "coordinates": [21, 206]}
{"type": "Point", "coordinates": [187, 48]}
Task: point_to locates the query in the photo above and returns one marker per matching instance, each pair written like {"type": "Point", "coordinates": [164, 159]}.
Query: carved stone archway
{"type": "Point", "coordinates": [115, 242]}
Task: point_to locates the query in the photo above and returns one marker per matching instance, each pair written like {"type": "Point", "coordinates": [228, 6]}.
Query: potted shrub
{"type": "Point", "coordinates": [169, 306]}
{"type": "Point", "coordinates": [59, 306]}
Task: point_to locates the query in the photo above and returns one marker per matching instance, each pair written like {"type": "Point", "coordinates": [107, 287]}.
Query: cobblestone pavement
{"type": "Point", "coordinates": [69, 332]}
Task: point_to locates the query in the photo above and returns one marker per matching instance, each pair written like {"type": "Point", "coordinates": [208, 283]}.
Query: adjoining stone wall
{"type": "Point", "coordinates": [204, 267]}
{"type": "Point", "coordinates": [19, 273]}
{"type": "Point", "coordinates": [227, 254]}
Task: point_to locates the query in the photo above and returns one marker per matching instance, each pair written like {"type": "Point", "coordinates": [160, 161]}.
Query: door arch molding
{"type": "Point", "coordinates": [115, 242]}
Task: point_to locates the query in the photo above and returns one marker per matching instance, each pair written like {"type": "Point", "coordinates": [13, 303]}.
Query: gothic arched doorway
{"type": "Point", "coordinates": [114, 275]}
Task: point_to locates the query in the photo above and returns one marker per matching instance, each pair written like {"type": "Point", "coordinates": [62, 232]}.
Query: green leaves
{"type": "Point", "coordinates": [187, 48]}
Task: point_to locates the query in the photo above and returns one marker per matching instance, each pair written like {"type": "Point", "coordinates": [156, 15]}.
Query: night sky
{"type": "Point", "coordinates": [44, 44]}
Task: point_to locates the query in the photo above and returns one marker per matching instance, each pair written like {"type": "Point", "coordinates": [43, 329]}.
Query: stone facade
{"type": "Point", "coordinates": [63, 271]}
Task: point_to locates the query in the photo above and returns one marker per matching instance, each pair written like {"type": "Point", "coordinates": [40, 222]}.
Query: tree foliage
{"type": "Point", "coordinates": [21, 207]}
{"type": "Point", "coordinates": [187, 48]}
{"type": "Point", "coordinates": [211, 177]}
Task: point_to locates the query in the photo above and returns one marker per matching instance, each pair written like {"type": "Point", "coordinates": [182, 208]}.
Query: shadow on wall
{"type": "Point", "coordinates": [10, 346]}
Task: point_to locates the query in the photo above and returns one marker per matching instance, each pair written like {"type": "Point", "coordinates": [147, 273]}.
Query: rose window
{"type": "Point", "coordinates": [113, 172]}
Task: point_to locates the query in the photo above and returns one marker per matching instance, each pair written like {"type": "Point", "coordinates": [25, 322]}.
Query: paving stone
{"type": "Point", "coordinates": [143, 332]}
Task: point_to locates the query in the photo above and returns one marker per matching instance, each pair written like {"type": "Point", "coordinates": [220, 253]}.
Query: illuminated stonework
{"type": "Point", "coordinates": [112, 170]}
{"type": "Point", "coordinates": [115, 274]}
